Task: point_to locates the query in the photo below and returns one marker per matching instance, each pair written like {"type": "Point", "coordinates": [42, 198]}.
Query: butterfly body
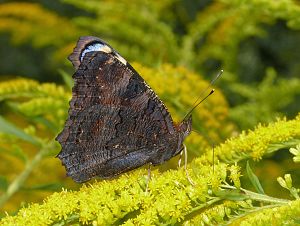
{"type": "Point", "coordinates": [116, 122]}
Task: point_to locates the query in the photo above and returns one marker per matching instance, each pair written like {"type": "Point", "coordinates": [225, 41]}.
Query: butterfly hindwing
{"type": "Point", "coordinates": [116, 122]}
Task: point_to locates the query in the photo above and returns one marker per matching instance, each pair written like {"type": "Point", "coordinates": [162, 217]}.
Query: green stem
{"type": "Point", "coordinates": [287, 144]}
{"type": "Point", "coordinates": [259, 197]}
{"type": "Point", "coordinates": [20, 179]}
{"type": "Point", "coordinates": [214, 200]}
{"type": "Point", "coordinates": [251, 212]}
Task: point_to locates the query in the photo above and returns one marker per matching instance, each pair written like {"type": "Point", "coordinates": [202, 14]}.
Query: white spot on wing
{"type": "Point", "coordinates": [95, 47]}
{"type": "Point", "coordinates": [100, 47]}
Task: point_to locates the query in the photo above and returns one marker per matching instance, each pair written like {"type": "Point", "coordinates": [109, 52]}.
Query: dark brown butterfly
{"type": "Point", "coordinates": [116, 122]}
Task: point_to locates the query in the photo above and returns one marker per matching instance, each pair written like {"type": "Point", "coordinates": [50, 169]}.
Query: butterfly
{"type": "Point", "coordinates": [116, 122]}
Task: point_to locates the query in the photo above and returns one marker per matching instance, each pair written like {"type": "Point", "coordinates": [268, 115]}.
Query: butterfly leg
{"type": "Point", "coordinates": [185, 166]}
{"type": "Point", "coordinates": [180, 158]}
{"type": "Point", "coordinates": [149, 176]}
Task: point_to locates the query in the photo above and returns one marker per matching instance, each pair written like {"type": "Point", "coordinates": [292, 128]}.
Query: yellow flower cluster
{"type": "Point", "coordinates": [17, 88]}
{"type": "Point", "coordinates": [26, 17]}
{"type": "Point", "coordinates": [170, 199]}
{"type": "Point", "coordinates": [45, 109]}
{"type": "Point", "coordinates": [22, 87]}
{"type": "Point", "coordinates": [259, 142]}
{"type": "Point", "coordinates": [35, 99]}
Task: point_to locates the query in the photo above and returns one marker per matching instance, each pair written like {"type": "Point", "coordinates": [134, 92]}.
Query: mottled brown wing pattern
{"type": "Point", "coordinates": [116, 122]}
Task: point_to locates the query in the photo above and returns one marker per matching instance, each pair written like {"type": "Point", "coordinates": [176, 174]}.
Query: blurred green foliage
{"type": "Point", "coordinates": [246, 39]}
{"type": "Point", "coordinates": [256, 43]}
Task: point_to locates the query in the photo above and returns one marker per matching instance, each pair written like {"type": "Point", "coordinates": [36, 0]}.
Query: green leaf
{"type": "Point", "coordinates": [67, 78]}
{"type": "Point", "coordinates": [254, 180]}
{"type": "Point", "coordinates": [8, 128]}
{"type": "Point", "coordinates": [235, 195]}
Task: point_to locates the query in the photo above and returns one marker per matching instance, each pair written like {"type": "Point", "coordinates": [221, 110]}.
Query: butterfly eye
{"type": "Point", "coordinates": [95, 47]}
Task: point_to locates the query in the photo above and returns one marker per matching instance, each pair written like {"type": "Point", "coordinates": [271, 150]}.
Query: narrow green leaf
{"type": "Point", "coordinates": [254, 180]}
{"type": "Point", "coordinates": [235, 195]}
{"type": "Point", "coordinates": [9, 128]}
{"type": "Point", "coordinates": [67, 78]}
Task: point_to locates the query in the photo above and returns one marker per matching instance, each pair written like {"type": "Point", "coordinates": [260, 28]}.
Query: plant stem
{"type": "Point", "coordinates": [204, 205]}
{"type": "Point", "coordinates": [20, 179]}
{"type": "Point", "coordinates": [251, 212]}
{"type": "Point", "coordinates": [259, 197]}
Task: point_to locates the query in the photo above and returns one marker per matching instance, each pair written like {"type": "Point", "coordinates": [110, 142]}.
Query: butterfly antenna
{"type": "Point", "coordinates": [190, 111]}
{"type": "Point", "coordinates": [195, 104]}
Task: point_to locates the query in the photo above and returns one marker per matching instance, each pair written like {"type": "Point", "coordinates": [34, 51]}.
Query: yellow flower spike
{"type": "Point", "coordinates": [35, 99]}
{"type": "Point", "coordinates": [169, 200]}
{"type": "Point", "coordinates": [12, 87]}
{"type": "Point", "coordinates": [259, 142]}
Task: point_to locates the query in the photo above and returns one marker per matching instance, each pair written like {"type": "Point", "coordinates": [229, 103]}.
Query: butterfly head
{"type": "Point", "coordinates": [185, 127]}
{"type": "Point", "coordinates": [88, 44]}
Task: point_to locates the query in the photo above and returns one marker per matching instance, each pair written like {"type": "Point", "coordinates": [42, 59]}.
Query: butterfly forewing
{"type": "Point", "coordinates": [116, 122]}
